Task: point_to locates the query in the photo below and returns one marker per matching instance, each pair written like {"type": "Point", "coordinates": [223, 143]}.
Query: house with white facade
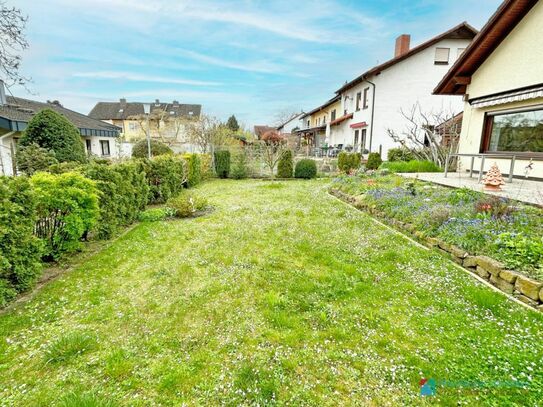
{"type": "Point", "coordinates": [100, 139]}
{"type": "Point", "coordinates": [372, 103]}
{"type": "Point", "coordinates": [500, 76]}
{"type": "Point", "coordinates": [292, 124]}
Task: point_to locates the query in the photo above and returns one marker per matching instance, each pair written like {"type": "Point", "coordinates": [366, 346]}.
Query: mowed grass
{"type": "Point", "coordinates": [282, 295]}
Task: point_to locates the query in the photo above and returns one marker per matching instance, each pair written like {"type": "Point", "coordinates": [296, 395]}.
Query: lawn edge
{"type": "Point", "coordinates": [456, 265]}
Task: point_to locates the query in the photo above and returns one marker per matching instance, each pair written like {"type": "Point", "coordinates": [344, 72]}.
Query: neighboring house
{"type": "Point", "coordinates": [259, 130]}
{"type": "Point", "coordinates": [500, 75]}
{"type": "Point", "coordinates": [101, 139]}
{"type": "Point", "coordinates": [316, 124]}
{"type": "Point", "coordinates": [167, 121]}
{"type": "Point", "coordinates": [292, 124]}
{"type": "Point", "coordinates": [372, 104]}
{"type": "Point", "coordinates": [449, 131]}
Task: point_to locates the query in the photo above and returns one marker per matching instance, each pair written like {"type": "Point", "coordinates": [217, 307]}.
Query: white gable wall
{"type": "Point", "coordinates": [399, 87]}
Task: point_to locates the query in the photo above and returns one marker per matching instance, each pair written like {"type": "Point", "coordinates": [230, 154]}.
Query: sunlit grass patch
{"type": "Point", "coordinates": [69, 346]}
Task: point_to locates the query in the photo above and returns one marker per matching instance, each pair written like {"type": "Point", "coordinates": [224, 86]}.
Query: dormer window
{"type": "Point", "coordinates": [121, 110]}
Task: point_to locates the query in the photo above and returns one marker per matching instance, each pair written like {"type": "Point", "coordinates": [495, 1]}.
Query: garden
{"type": "Point", "coordinates": [220, 291]}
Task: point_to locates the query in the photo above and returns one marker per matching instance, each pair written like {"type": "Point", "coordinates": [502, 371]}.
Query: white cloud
{"type": "Point", "coordinates": [127, 76]}
{"type": "Point", "coordinates": [262, 67]}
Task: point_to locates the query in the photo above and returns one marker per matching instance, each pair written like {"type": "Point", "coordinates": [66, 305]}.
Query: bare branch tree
{"type": "Point", "coordinates": [273, 145]}
{"type": "Point", "coordinates": [284, 115]}
{"type": "Point", "coordinates": [204, 132]}
{"type": "Point", "coordinates": [12, 43]}
{"type": "Point", "coordinates": [424, 134]}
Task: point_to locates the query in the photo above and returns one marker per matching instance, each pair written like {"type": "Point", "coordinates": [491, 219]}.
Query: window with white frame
{"type": "Point", "coordinates": [133, 126]}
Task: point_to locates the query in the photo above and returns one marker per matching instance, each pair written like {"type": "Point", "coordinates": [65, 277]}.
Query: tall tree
{"type": "Point", "coordinates": [52, 131]}
{"type": "Point", "coordinates": [232, 123]}
{"type": "Point", "coordinates": [12, 43]}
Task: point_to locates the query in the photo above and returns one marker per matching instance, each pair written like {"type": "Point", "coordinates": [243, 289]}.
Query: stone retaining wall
{"type": "Point", "coordinates": [513, 283]}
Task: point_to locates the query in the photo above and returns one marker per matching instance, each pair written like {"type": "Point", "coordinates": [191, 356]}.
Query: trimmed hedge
{"type": "Point", "coordinates": [222, 163]}
{"type": "Point", "coordinates": [411, 166]}
{"type": "Point", "coordinates": [140, 149]}
{"type": "Point", "coordinates": [285, 168]}
{"type": "Point", "coordinates": [239, 166]}
{"type": "Point", "coordinates": [400, 154]}
{"type": "Point", "coordinates": [20, 250]}
{"type": "Point", "coordinates": [348, 161]}
{"type": "Point", "coordinates": [374, 161]}
{"type": "Point", "coordinates": [165, 175]}
{"type": "Point", "coordinates": [306, 168]}
{"type": "Point", "coordinates": [194, 167]}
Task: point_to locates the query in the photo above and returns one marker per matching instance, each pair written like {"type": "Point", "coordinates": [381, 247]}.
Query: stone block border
{"type": "Point", "coordinates": [512, 283]}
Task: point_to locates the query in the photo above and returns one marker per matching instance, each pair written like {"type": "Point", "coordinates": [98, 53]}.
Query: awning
{"type": "Point", "coordinates": [508, 97]}
{"type": "Point", "coordinates": [359, 125]}
{"type": "Point", "coordinates": [341, 119]}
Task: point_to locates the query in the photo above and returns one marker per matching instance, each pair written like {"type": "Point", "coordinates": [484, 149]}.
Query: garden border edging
{"type": "Point", "coordinates": [518, 287]}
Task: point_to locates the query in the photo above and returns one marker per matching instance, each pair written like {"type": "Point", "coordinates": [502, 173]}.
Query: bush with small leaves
{"type": "Point", "coordinates": [222, 163]}
{"type": "Point", "coordinates": [140, 149]}
{"type": "Point", "coordinates": [285, 168]}
{"type": "Point", "coordinates": [166, 175]}
{"type": "Point", "coordinates": [32, 158]}
{"type": "Point", "coordinates": [53, 132]}
{"type": "Point", "coordinates": [67, 209]}
{"type": "Point", "coordinates": [239, 165]}
{"type": "Point", "coordinates": [20, 250]}
{"type": "Point", "coordinates": [187, 204]}
{"type": "Point", "coordinates": [400, 154]}
{"type": "Point", "coordinates": [306, 168]}
{"type": "Point", "coordinates": [348, 162]}
{"type": "Point", "coordinates": [194, 167]}
{"type": "Point", "coordinates": [374, 161]}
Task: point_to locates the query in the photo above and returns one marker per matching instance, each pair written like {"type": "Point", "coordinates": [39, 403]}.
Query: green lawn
{"type": "Point", "coordinates": [281, 295]}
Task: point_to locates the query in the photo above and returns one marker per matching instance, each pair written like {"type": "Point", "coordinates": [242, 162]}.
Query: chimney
{"type": "Point", "coordinates": [175, 103]}
{"type": "Point", "coordinates": [123, 102]}
{"type": "Point", "coordinates": [402, 45]}
{"type": "Point", "coordinates": [3, 100]}
{"type": "Point", "coordinates": [157, 102]}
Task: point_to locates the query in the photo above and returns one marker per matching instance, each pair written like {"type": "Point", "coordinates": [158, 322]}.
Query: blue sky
{"type": "Point", "coordinates": [250, 58]}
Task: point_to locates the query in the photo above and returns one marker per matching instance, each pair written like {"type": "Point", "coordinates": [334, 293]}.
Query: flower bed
{"type": "Point", "coordinates": [485, 234]}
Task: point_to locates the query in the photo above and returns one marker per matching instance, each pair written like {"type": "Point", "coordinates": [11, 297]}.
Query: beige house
{"type": "Point", "coordinates": [167, 122]}
{"type": "Point", "coordinates": [501, 77]}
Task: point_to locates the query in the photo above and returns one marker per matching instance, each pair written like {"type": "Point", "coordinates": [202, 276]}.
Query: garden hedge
{"type": "Point", "coordinates": [239, 166]}
{"type": "Point", "coordinates": [222, 163]}
{"type": "Point", "coordinates": [140, 150]}
{"type": "Point", "coordinates": [348, 161]}
{"type": "Point", "coordinates": [285, 168]}
{"type": "Point", "coordinates": [306, 168]}
{"type": "Point", "coordinates": [165, 175]}
{"type": "Point", "coordinates": [20, 250]}
{"type": "Point", "coordinates": [194, 167]}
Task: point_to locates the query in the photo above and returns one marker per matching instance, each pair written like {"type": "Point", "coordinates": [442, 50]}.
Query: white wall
{"type": "Point", "coordinates": [400, 87]}
{"type": "Point", "coordinates": [6, 159]}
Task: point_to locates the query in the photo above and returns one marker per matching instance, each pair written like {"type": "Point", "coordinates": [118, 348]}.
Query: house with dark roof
{"type": "Point", "coordinates": [167, 121]}
{"type": "Point", "coordinates": [372, 103]}
{"type": "Point", "coordinates": [101, 139]}
{"type": "Point", "coordinates": [501, 79]}
{"type": "Point", "coordinates": [315, 128]}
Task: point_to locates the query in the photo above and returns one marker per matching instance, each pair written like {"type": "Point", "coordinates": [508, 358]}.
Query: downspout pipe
{"type": "Point", "coordinates": [372, 111]}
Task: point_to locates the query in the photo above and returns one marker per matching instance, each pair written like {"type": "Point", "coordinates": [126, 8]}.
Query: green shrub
{"type": "Point", "coordinates": [67, 209]}
{"type": "Point", "coordinates": [140, 150]}
{"type": "Point", "coordinates": [194, 167]}
{"type": "Point", "coordinates": [166, 175]}
{"type": "Point", "coordinates": [155, 214]}
{"type": "Point", "coordinates": [239, 165]}
{"type": "Point", "coordinates": [374, 161]}
{"type": "Point", "coordinates": [411, 166]}
{"type": "Point", "coordinates": [348, 161]}
{"type": "Point", "coordinates": [206, 166]}
{"type": "Point", "coordinates": [53, 132]}
{"type": "Point", "coordinates": [222, 163]}
{"type": "Point", "coordinates": [285, 168]}
{"type": "Point", "coordinates": [516, 250]}
{"type": "Point", "coordinates": [20, 250]}
{"type": "Point", "coordinates": [32, 158]}
{"type": "Point", "coordinates": [400, 154]}
{"type": "Point", "coordinates": [123, 194]}
{"type": "Point", "coordinates": [187, 204]}
{"type": "Point", "coordinates": [306, 168]}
